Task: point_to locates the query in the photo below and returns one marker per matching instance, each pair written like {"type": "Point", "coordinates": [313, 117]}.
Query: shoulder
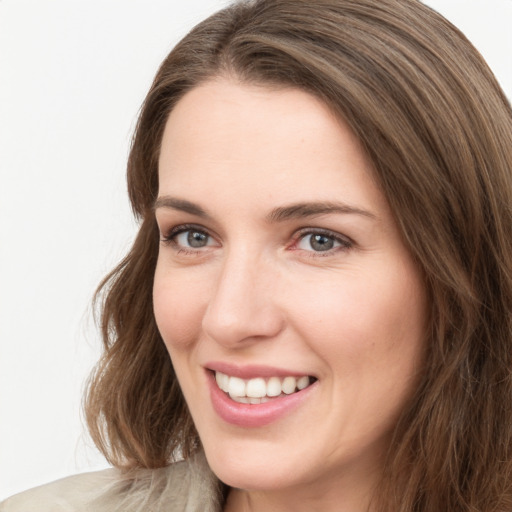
{"type": "Point", "coordinates": [186, 485]}
{"type": "Point", "coordinates": [66, 495]}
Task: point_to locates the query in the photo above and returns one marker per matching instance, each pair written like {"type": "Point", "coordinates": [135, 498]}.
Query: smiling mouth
{"type": "Point", "coordinates": [260, 390]}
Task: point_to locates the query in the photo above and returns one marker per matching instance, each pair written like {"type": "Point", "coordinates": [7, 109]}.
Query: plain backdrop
{"type": "Point", "coordinates": [73, 74]}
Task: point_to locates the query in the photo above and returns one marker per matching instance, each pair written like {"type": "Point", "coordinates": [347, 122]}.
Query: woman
{"type": "Point", "coordinates": [324, 192]}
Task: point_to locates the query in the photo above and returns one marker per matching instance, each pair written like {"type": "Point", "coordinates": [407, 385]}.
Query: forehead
{"type": "Point", "coordinates": [249, 141]}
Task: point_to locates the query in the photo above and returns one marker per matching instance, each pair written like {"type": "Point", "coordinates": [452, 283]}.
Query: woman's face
{"type": "Point", "coordinates": [281, 267]}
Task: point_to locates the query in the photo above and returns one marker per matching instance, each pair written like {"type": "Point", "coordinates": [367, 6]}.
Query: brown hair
{"type": "Point", "coordinates": [438, 129]}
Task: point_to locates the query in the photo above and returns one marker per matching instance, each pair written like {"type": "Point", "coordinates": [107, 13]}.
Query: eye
{"type": "Point", "coordinates": [186, 237]}
{"type": "Point", "coordinates": [322, 242]}
{"type": "Point", "coordinates": [192, 238]}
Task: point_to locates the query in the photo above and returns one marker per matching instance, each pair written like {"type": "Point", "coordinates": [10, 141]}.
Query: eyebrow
{"type": "Point", "coordinates": [183, 205]}
{"type": "Point", "coordinates": [302, 210]}
{"type": "Point", "coordinates": [279, 214]}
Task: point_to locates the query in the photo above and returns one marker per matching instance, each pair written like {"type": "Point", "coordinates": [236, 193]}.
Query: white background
{"type": "Point", "coordinates": [73, 74]}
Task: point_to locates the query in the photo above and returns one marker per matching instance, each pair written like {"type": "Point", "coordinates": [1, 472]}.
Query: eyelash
{"type": "Point", "coordinates": [170, 238]}
{"type": "Point", "coordinates": [344, 242]}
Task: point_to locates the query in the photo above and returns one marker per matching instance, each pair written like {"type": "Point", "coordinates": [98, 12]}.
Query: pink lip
{"type": "Point", "coordinates": [257, 415]}
{"type": "Point", "coordinates": [251, 371]}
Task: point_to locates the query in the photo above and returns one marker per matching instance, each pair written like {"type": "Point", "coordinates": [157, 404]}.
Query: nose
{"type": "Point", "coordinates": [243, 305]}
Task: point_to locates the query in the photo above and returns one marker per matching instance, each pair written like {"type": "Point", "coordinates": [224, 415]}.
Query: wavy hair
{"type": "Point", "coordinates": [438, 129]}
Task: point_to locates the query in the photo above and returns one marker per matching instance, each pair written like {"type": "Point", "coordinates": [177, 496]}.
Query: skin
{"type": "Point", "coordinates": [258, 292]}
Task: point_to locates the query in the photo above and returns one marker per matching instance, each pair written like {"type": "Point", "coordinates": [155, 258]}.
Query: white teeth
{"type": "Point", "coordinates": [274, 386]}
{"type": "Point", "coordinates": [225, 384]}
{"type": "Point", "coordinates": [303, 382]}
{"type": "Point", "coordinates": [240, 399]}
{"type": "Point", "coordinates": [289, 385]}
{"type": "Point", "coordinates": [222, 381]}
{"type": "Point", "coordinates": [236, 387]}
{"type": "Point", "coordinates": [258, 390]}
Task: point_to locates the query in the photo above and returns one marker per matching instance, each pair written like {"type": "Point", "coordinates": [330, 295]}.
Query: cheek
{"type": "Point", "coordinates": [368, 323]}
{"type": "Point", "coordinates": [179, 307]}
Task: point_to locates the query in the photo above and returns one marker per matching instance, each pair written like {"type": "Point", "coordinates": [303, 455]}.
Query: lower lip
{"type": "Point", "coordinates": [254, 415]}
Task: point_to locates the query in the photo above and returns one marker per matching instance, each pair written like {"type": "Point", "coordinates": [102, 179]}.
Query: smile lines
{"type": "Point", "coordinates": [259, 390]}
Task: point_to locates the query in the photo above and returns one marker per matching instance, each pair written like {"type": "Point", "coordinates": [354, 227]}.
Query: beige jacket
{"type": "Point", "coordinates": [187, 486]}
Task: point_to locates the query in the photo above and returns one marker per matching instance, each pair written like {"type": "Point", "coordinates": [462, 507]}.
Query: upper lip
{"type": "Point", "coordinates": [252, 371]}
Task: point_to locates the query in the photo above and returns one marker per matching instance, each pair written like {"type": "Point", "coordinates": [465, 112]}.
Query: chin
{"type": "Point", "coordinates": [255, 470]}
